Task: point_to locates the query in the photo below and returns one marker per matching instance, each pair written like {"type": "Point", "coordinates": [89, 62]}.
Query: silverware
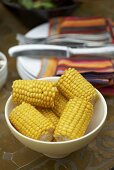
{"type": "Point", "coordinates": [71, 40]}
{"type": "Point", "coordinates": [41, 50]}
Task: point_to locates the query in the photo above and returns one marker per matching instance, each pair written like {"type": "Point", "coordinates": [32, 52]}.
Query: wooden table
{"type": "Point", "coordinates": [98, 155]}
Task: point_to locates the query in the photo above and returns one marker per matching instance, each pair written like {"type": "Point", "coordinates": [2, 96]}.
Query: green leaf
{"type": "Point", "coordinates": [26, 3]}
{"type": "Point", "coordinates": [38, 4]}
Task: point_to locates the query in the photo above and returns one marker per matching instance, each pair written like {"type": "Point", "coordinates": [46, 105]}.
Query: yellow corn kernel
{"type": "Point", "coordinates": [72, 84]}
{"type": "Point", "coordinates": [59, 104]}
{"type": "Point", "coordinates": [74, 120]}
{"type": "Point", "coordinates": [48, 113]}
{"type": "Point", "coordinates": [36, 92]}
{"type": "Point", "coordinates": [30, 122]}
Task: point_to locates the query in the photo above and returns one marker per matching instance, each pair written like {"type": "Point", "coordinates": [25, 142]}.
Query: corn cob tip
{"type": "Point", "coordinates": [47, 136]}
{"type": "Point", "coordinates": [60, 138]}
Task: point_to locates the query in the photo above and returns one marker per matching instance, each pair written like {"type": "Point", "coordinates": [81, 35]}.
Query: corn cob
{"type": "Point", "coordinates": [74, 120]}
{"type": "Point", "coordinates": [36, 92]}
{"type": "Point", "coordinates": [30, 122]}
{"type": "Point", "coordinates": [48, 113]}
{"type": "Point", "coordinates": [72, 84]}
{"type": "Point", "coordinates": [59, 104]}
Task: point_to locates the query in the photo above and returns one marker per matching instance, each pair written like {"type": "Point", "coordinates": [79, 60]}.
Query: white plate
{"type": "Point", "coordinates": [3, 69]}
{"type": "Point", "coordinates": [22, 72]}
{"type": "Point", "coordinates": [31, 66]}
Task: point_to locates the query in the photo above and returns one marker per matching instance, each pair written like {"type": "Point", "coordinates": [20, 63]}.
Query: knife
{"type": "Point", "coordinates": [41, 50]}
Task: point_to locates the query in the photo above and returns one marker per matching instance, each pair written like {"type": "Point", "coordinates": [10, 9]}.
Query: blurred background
{"type": "Point", "coordinates": [35, 12]}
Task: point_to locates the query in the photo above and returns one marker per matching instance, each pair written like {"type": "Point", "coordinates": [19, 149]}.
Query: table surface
{"type": "Point", "coordinates": [98, 155]}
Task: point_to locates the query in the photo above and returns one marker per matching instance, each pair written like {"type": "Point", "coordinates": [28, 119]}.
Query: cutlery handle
{"type": "Point", "coordinates": [39, 50]}
{"type": "Point", "coordinates": [105, 50]}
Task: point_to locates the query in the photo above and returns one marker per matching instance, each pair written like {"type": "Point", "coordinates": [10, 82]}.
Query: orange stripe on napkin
{"type": "Point", "coordinates": [78, 23]}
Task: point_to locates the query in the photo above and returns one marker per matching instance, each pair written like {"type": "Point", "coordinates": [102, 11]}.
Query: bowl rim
{"type": "Point", "coordinates": [61, 142]}
{"type": "Point", "coordinates": [2, 55]}
{"type": "Point", "coordinates": [17, 6]}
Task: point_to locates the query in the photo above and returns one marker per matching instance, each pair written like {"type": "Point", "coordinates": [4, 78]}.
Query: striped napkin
{"type": "Point", "coordinates": [97, 70]}
{"type": "Point", "coordinates": [81, 25]}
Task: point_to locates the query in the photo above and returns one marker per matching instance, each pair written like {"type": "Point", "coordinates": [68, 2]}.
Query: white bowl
{"type": "Point", "coordinates": [3, 69]}
{"type": "Point", "coordinates": [62, 149]}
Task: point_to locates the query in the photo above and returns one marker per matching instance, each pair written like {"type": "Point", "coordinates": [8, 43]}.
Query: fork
{"type": "Point", "coordinates": [71, 40]}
